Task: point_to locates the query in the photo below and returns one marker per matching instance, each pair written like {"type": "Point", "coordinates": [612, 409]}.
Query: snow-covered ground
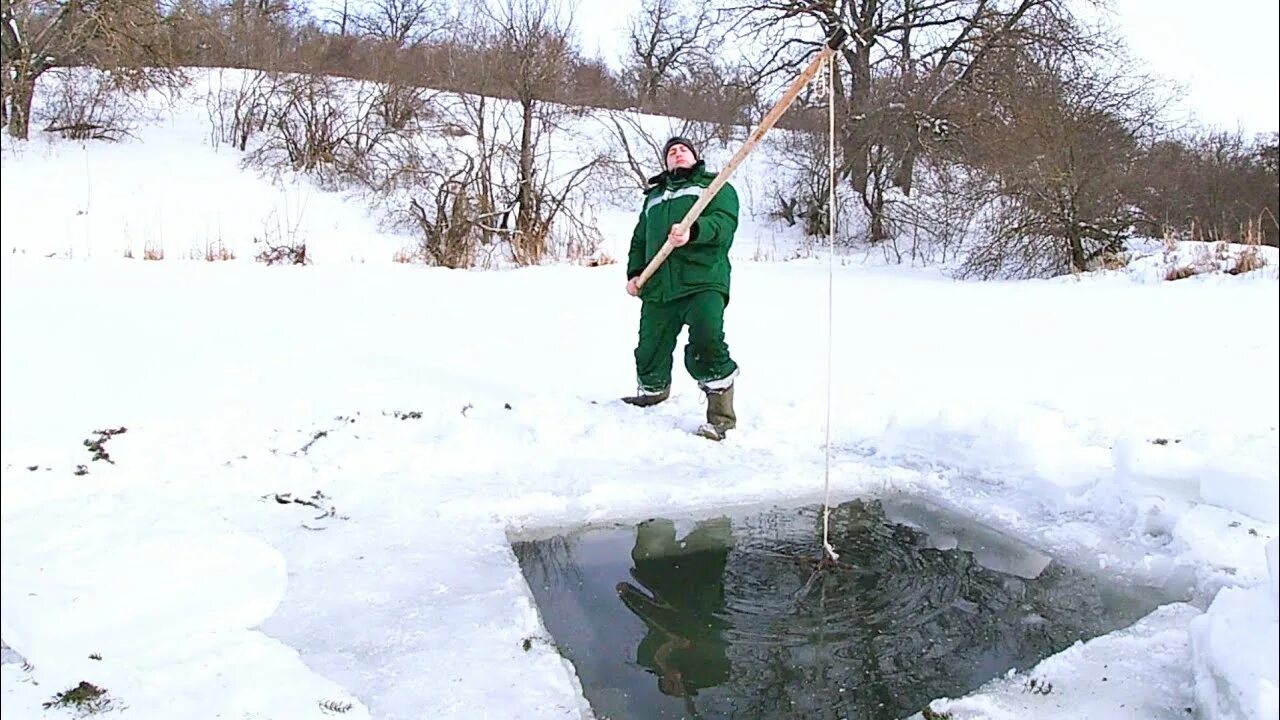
{"type": "Point", "coordinates": [425, 414]}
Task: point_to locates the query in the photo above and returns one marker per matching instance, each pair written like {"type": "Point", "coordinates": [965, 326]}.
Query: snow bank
{"type": "Point", "coordinates": [1236, 651]}
{"type": "Point", "coordinates": [1157, 261]}
{"type": "Point", "coordinates": [1139, 673]}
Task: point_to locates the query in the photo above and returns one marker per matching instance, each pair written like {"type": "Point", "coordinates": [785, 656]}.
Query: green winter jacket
{"type": "Point", "coordinates": [702, 263]}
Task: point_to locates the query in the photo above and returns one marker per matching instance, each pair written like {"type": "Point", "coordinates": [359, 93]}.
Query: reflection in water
{"type": "Point", "coordinates": [733, 623]}
{"type": "Point", "coordinates": [685, 645]}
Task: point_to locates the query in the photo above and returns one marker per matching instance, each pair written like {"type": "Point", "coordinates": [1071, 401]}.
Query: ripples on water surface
{"type": "Point", "coordinates": [727, 618]}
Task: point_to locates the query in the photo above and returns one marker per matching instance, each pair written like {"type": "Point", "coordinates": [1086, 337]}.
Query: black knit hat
{"type": "Point", "coordinates": [680, 141]}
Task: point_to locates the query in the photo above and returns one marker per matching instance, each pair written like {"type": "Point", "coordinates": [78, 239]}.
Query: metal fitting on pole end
{"type": "Point", "coordinates": [837, 38]}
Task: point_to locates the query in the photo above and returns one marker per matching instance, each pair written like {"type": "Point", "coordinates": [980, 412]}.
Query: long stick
{"type": "Point", "coordinates": [836, 39]}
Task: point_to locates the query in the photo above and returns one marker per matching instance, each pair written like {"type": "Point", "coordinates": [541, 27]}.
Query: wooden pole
{"type": "Point", "coordinates": [836, 39]}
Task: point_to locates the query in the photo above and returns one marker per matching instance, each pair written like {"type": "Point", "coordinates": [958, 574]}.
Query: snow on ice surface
{"type": "Point", "coordinates": [1125, 425]}
{"type": "Point", "coordinates": [1139, 672]}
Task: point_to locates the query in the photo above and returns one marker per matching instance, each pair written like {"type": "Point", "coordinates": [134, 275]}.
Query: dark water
{"type": "Point", "coordinates": [726, 617]}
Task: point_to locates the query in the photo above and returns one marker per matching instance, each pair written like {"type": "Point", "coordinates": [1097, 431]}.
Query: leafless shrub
{"type": "Point", "coordinates": [216, 252]}
{"type": "Point", "coordinates": [239, 111]}
{"type": "Point", "coordinates": [804, 194]}
{"type": "Point", "coordinates": [1019, 239]}
{"type": "Point", "coordinates": [934, 222]}
{"type": "Point", "coordinates": [307, 125]}
{"type": "Point", "coordinates": [287, 254]}
{"type": "Point", "coordinates": [406, 255]}
{"type": "Point", "coordinates": [401, 107]}
{"type": "Point", "coordinates": [1248, 260]}
{"type": "Point", "coordinates": [281, 242]}
{"type": "Point", "coordinates": [556, 227]}
{"type": "Point", "coordinates": [448, 233]}
{"type": "Point", "coordinates": [581, 243]}
{"type": "Point", "coordinates": [342, 133]}
{"type": "Point", "coordinates": [85, 106]}
{"type": "Point", "coordinates": [462, 198]}
{"type": "Point", "coordinates": [1111, 260]}
{"type": "Point", "coordinates": [1012, 247]}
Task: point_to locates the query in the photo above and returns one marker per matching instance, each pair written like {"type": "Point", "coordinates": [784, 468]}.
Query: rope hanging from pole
{"type": "Point", "coordinates": [829, 88]}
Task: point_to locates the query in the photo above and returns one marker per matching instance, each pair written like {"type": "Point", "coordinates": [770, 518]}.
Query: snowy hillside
{"type": "Point", "coordinates": [306, 510]}
{"type": "Point", "coordinates": [178, 189]}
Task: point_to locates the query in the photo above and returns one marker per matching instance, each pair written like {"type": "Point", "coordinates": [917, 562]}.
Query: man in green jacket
{"type": "Point", "coordinates": [691, 287]}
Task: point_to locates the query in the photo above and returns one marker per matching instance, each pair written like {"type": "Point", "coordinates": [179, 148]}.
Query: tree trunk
{"type": "Point", "coordinates": [4, 92]}
{"type": "Point", "coordinates": [21, 92]}
{"type": "Point", "coordinates": [525, 216]}
{"type": "Point", "coordinates": [1077, 252]}
{"type": "Point", "coordinates": [860, 137]}
{"type": "Point", "coordinates": [906, 169]}
{"type": "Point", "coordinates": [485, 174]}
{"type": "Point", "coordinates": [876, 208]}
{"type": "Point", "coordinates": [905, 172]}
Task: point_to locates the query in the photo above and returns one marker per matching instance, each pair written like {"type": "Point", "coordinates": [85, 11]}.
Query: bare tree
{"type": "Point", "coordinates": [1212, 186]}
{"type": "Point", "coordinates": [258, 32]}
{"type": "Point", "coordinates": [664, 41]}
{"type": "Point", "coordinates": [463, 197]}
{"type": "Point", "coordinates": [495, 184]}
{"type": "Point", "coordinates": [1057, 162]}
{"type": "Point", "coordinates": [532, 42]}
{"type": "Point", "coordinates": [906, 63]}
{"type": "Point", "coordinates": [195, 27]}
{"type": "Point", "coordinates": [38, 35]}
{"type": "Point", "coordinates": [6, 84]}
{"type": "Point", "coordinates": [404, 23]}
{"type": "Point", "coordinates": [340, 16]}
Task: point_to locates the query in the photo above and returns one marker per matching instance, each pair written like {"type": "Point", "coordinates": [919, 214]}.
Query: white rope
{"type": "Point", "coordinates": [831, 252]}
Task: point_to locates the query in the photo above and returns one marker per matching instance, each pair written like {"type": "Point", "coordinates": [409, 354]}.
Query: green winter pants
{"type": "Point", "coordinates": [706, 357]}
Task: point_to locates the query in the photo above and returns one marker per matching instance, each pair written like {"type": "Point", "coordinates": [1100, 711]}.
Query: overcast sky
{"type": "Point", "coordinates": [1225, 53]}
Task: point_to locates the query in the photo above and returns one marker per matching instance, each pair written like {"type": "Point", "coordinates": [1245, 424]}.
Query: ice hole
{"type": "Point", "coordinates": [734, 616]}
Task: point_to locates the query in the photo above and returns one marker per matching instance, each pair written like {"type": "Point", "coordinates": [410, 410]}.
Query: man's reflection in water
{"type": "Point", "coordinates": [683, 608]}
